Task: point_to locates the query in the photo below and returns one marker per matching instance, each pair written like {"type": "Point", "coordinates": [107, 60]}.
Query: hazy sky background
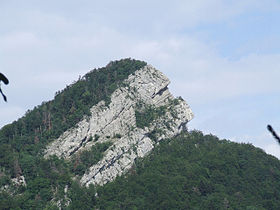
{"type": "Point", "coordinates": [222, 56]}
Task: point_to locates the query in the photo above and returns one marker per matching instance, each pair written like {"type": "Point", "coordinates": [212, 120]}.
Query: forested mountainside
{"type": "Point", "coordinates": [46, 154]}
{"type": "Point", "coordinates": [190, 171]}
{"type": "Point", "coordinates": [196, 171]}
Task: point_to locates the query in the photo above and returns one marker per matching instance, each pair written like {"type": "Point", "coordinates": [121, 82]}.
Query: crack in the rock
{"type": "Point", "coordinates": [77, 148]}
{"type": "Point", "coordinates": [111, 162]}
{"type": "Point", "coordinates": [115, 117]}
{"type": "Point", "coordinates": [183, 125]}
{"type": "Point", "coordinates": [160, 92]}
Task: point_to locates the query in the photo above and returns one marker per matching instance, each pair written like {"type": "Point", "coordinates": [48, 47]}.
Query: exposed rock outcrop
{"type": "Point", "coordinates": [117, 123]}
{"type": "Point", "coordinates": [19, 181]}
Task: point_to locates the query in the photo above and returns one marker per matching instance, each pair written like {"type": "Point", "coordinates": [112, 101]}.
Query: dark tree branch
{"type": "Point", "coordinates": [4, 97]}
{"type": "Point", "coordinates": [6, 81]}
{"type": "Point", "coordinates": [273, 133]}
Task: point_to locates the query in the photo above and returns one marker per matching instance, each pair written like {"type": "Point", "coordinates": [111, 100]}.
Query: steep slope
{"type": "Point", "coordinates": [120, 123]}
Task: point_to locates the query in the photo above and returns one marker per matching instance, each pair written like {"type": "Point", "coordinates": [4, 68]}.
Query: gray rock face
{"type": "Point", "coordinates": [147, 87]}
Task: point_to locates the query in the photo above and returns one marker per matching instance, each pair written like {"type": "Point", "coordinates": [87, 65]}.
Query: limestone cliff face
{"type": "Point", "coordinates": [147, 87]}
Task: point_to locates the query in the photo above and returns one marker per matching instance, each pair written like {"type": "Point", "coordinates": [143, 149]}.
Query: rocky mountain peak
{"type": "Point", "coordinates": [141, 113]}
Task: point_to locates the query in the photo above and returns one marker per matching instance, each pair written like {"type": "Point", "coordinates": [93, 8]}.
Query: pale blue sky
{"type": "Point", "coordinates": [222, 56]}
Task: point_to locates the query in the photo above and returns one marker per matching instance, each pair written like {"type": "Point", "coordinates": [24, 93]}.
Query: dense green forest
{"type": "Point", "coordinates": [190, 171]}
{"type": "Point", "coordinates": [196, 171]}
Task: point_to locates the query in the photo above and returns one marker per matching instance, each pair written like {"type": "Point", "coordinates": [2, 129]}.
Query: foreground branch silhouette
{"type": "Point", "coordinates": [6, 81]}
{"type": "Point", "coordinates": [273, 133]}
